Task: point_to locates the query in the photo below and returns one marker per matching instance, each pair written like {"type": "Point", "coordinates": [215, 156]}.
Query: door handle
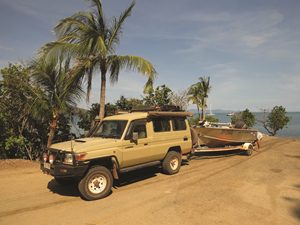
{"type": "Point", "coordinates": [145, 143]}
{"type": "Point", "coordinates": [185, 138]}
{"type": "Point", "coordinates": [129, 147]}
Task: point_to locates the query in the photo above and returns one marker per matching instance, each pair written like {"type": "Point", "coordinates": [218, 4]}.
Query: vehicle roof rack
{"type": "Point", "coordinates": [164, 108]}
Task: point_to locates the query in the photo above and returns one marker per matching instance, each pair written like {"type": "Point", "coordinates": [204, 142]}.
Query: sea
{"type": "Point", "coordinates": [291, 130]}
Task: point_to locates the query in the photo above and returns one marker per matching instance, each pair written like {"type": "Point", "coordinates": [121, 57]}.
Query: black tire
{"type": "Point", "coordinates": [171, 163]}
{"type": "Point", "coordinates": [96, 184]}
{"type": "Point", "coordinates": [64, 181]}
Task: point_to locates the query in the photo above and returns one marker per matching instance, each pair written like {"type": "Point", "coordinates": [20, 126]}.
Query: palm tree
{"type": "Point", "coordinates": [205, 89]}
{"type": "Point", "coordinates": [92, 41]}
{"type": "Point", "coordinates": [194, 96]}
{"type": "Point", "coordinates": [59, 92]}
{"type": "Point", "coordinates": [198, 94]}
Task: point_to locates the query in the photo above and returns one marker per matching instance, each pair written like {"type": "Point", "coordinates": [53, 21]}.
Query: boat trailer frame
{"type": "Point", "coordinates": [246, 147]}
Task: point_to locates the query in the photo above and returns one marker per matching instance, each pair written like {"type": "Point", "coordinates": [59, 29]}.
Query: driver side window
{"type": "Point", "coordinates": [137, 127]}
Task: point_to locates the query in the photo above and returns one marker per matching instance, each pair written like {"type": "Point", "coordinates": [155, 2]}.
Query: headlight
{"type": "Point", "coordinates": [51, 159]}
{"type": "Point", "coordinates": [68, 159]}
{"type": "Point", "coordinates": [45, 157]}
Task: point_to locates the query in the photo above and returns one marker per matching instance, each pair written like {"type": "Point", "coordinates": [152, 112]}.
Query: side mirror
{"type": "Point", "coordinates": [135, 137]}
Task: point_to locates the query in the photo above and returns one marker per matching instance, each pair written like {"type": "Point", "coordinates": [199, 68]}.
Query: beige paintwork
{"type": "Point", "coordinates": [152, 148]}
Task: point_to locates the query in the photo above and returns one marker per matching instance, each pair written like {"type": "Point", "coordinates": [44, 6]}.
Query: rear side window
{"type": "Point", "coordinates": [178, 124]}
{"type": "Point", "coordinates": [161, 125]}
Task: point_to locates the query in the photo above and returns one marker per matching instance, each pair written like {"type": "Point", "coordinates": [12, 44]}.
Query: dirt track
{"type": "Point", "coordinates": [211, 189]}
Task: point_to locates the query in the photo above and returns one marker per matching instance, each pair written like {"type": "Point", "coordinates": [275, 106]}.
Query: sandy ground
{"type": "Point", "coordinates": [211, 189]}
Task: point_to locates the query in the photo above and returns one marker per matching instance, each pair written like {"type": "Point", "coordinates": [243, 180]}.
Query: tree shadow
{"type": "Point", "coordinates": [292, 156]}
{"type": "Point", "coordinates": [296, 206]}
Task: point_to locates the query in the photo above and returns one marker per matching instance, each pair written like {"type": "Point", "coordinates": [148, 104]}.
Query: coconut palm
{"type": "Point", "coordinates": [59, 93]}
{"type": "Point", "coordinates": [204, 89]}
{"type": "Point", "coordinates": [92, 41]}
{"type": "Point", "coordinates": [194, 96]}
{"type": "Point", "coordinates": [198, 94]}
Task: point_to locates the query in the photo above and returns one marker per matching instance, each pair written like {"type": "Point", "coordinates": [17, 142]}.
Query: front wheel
{"type": "Point", "coordinates": [96, 184]}
{"type": "Point", "coordinates": [171, 163]}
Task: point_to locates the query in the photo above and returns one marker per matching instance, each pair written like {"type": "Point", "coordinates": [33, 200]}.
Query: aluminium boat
{"type": "Point", "coordinates": [214, 137]}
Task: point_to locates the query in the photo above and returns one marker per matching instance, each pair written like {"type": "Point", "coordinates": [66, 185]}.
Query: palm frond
{"type": "Point", "coordinates": [60, 89]}
{"type": "Point", "coordinates": [134, 63]}
{"type": "Point", "coordinates": [116, 29]}
{"type": "Point", "coordinates": [72, 24]}
{"type": "Point", "coordinates": [100, 14]}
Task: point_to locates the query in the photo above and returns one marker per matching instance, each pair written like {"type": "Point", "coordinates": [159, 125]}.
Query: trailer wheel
{"type": "Point", "coordinates": [96, 184]}
{"type": "Point", "coordinates": [171, 163]}
{"type": "Point", "coordinates": [249, 150]}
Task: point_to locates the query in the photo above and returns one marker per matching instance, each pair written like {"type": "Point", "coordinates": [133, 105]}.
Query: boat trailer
{"type": "Point", "coordinates": [246, 147]}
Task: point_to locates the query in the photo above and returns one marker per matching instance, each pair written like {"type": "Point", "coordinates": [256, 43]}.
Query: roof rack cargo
{"type": "Point", "coordinates": [164, 108]}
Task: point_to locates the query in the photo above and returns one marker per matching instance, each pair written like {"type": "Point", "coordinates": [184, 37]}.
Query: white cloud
{"type": "Point", "coordinates": [242, 32]}
{"type": "Point", "coordinates": [206, 17]}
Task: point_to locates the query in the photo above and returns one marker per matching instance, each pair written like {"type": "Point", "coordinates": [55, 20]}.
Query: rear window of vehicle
{"type": "Point", "coordinates": [161, 125]}
{"type": "Point", "coordinates": [178, 124]}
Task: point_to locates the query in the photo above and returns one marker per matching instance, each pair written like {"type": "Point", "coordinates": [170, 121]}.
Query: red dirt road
{"type": "Point", "coordinates": [210, 189]}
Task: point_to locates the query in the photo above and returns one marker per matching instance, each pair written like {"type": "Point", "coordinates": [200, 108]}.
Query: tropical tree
{"type": "Point", "coordinates": [180, 99]}
{"type": "Point", "coordinates": [198, 94]}
{"type": "Point", "coordinates": [205, 89]}
{"type": "Point", "coordinates": [128, 103]}
{"type": "Point", "coordinates": [159, 97]}
{"type": "Point", "coordinates": [59, 91]}
{"type": "Point", "coordinates": [245, 116]}
{"type": "Point", "coordinates": [194, 96]}
{"type": "Point", "coordinates": [87, 117]}
{"type": "Point", "coordinates": [21, 132]}
{"type": "Point", "coordinates": [92, 41]}
{"type": "Point", "coordinates": [276, 120]}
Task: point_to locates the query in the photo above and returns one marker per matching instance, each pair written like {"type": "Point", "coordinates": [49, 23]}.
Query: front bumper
{"type": "Point", "coordinates": [63, 170]}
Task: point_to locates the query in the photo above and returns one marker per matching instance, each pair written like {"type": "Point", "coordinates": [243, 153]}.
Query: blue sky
{"type": "Point", "coordinates": [250, 49]}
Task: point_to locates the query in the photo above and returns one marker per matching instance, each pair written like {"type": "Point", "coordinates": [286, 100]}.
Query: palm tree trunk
{"type": "Point", "coordinates": [53, 126]}
{"type": "Point", "coordinates": [204, 109]}
{"type": "Point", "coordinates": [198, 112]}
{"type": "Point", "coordinates": [102, 95]}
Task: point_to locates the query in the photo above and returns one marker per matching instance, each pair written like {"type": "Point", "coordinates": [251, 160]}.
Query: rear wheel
{"type": "Point", "coordinates": [96, 184]}
{"type": "Point", "coordinates": [171, 163]}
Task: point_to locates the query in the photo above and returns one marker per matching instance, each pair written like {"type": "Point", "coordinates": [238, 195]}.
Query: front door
{"type": "Point", "coordinates": [139, 151]}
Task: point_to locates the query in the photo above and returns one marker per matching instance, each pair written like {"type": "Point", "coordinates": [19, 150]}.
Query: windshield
{"type": "Point", "coordinates": [111, 129]}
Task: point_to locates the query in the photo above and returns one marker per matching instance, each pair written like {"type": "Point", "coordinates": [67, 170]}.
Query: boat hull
{"type": "Point", "coordinates": [219, 137]}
